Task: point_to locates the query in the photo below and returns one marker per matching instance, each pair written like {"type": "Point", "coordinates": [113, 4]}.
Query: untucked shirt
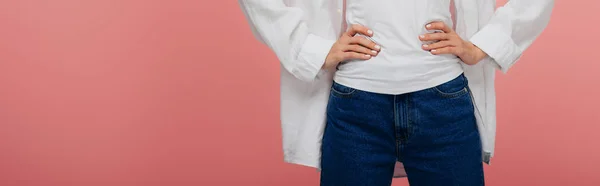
{"type": "Point", "coordinates": [402, 66]}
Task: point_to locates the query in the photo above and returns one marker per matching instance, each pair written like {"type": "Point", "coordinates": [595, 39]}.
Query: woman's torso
{"type": "Point", "coordinates": [402, 66]}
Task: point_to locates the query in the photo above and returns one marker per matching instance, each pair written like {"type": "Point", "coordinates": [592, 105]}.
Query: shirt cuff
{"type": "Point", "coordinates": [312, 57]}
{"type": "Point", "coordinates": [499, 46]}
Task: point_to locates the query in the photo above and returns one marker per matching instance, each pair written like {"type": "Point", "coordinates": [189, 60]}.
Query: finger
{"type": "Point", "coordinates": [356, 28]}
{"type": "Point", "coordinates": [345, 39]}
{"type": "Point", "coordinates": [434, 37]}
{"type": "Point", "coordinates": [365, 42]}
{"type": "Point", "coordinates": [437, 45]}
{"type": "Point", "coordinates": [360, 49]}
{"type": "Point", "coordinates": [355, 55]}
{"type": "Point", "coordinates": [444, 50]}
{"type": "Point", "coordinates": [438, 25]}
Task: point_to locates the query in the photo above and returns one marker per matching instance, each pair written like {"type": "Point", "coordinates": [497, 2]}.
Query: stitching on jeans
{"type": "Point", "coordinates": [457, 93]}
{"type": "Point", "coordinates": [451, 95]}
{"type": "Point", "coordinates": [343, 94]}
{"type": "Point", "coordinates": [408, 118]}
{"type": "Point", "coordinates": [396, 138]}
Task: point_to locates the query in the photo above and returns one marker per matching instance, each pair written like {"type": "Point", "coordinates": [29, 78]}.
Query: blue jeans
{"type": "Point", "coordinates": [433, 132]}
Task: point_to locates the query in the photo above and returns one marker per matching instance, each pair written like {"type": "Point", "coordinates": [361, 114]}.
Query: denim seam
{"type": "Point", "coordinates": [484, 157]}
{"type": "Point", "coordinates": [409, 126]}
{"type": "Point", "coordinates": [342, 94]}
{"type": "Point", "coordinates": [396, 127]}
{"type": "Point", "coordinates": [459, 93]}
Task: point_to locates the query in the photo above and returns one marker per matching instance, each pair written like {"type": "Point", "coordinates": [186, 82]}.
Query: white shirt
{"type": "Point", "coordinates": [301, 33]}
{"type": "Point", "coordinates": [402, 65]}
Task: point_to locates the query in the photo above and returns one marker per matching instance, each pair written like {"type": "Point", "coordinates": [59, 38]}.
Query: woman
{"type": "Point", "coordinates": [400, 85]}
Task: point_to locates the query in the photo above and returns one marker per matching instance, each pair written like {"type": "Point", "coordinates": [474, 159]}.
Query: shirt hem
{"type": "Point", "coordinates": [389, 87]}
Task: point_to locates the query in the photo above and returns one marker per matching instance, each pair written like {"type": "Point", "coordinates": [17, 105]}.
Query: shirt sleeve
{"type": "Point", "coordinates": [283, 29]}
{"type": "Point", "coordinates": [512, 29]}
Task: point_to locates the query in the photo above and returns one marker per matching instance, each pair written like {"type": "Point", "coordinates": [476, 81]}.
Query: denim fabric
{"type": "Point", "coordinates": [433, 132]}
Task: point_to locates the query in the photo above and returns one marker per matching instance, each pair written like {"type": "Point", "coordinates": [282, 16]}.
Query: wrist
{"type": "Point", "coordinates": [475, 52]}
{"type": "Point", "coordinates": [326, 63]}
{"type": "Point", "coordinates": [478, 53]}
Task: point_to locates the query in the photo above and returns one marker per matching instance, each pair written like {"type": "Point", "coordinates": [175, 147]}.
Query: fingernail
{"type": "Point", "coordinates": [377, 47]}
{"type": "Point", "coordinates": [422, 36]}
{"type": "Point", "coordinates": [425, 46]}
{"type": "Point", "coordinates": [373, 51]}
{"type": "Point", "coordinates": [428, 25]}
{"type": "Point", "coordinates": [433, 50]}
{"type": "Point", "coordinates": [367, 55]}
{"type": "Point", "coordinates": [370, 31]}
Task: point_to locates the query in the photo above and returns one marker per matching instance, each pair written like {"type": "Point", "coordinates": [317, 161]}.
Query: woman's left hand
{"type": "Point", "coordinates": [450, 43]}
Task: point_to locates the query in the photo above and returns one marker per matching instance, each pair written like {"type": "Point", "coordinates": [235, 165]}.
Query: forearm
{"type": "Point", "coordinates": [512, 29]}
{"type": "Point", "coordinates": [283, 29]}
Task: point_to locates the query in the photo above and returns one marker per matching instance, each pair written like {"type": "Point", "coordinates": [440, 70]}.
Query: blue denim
{"type": "Point", "coordinates": [433, 132]}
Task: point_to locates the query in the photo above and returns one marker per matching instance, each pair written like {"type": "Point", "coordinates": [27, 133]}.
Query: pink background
{"type": "Point", "coordinates": [153, 93]}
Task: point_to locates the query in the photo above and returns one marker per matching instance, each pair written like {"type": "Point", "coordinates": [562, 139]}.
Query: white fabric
{"type": "Point", "coordinates": [402, 65]}
{"type": "Point", "coordinates": [301, 32]}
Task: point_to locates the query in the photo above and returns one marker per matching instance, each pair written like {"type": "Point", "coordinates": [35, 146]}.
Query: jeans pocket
{"type": "Point", "coordinates": [453, 88]}
{"type": "Point", "coordinates": [342, 91]}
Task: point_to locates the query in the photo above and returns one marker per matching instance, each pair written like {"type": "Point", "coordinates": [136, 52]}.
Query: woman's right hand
{"type": "Point", "coordinates": [352, 46]}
